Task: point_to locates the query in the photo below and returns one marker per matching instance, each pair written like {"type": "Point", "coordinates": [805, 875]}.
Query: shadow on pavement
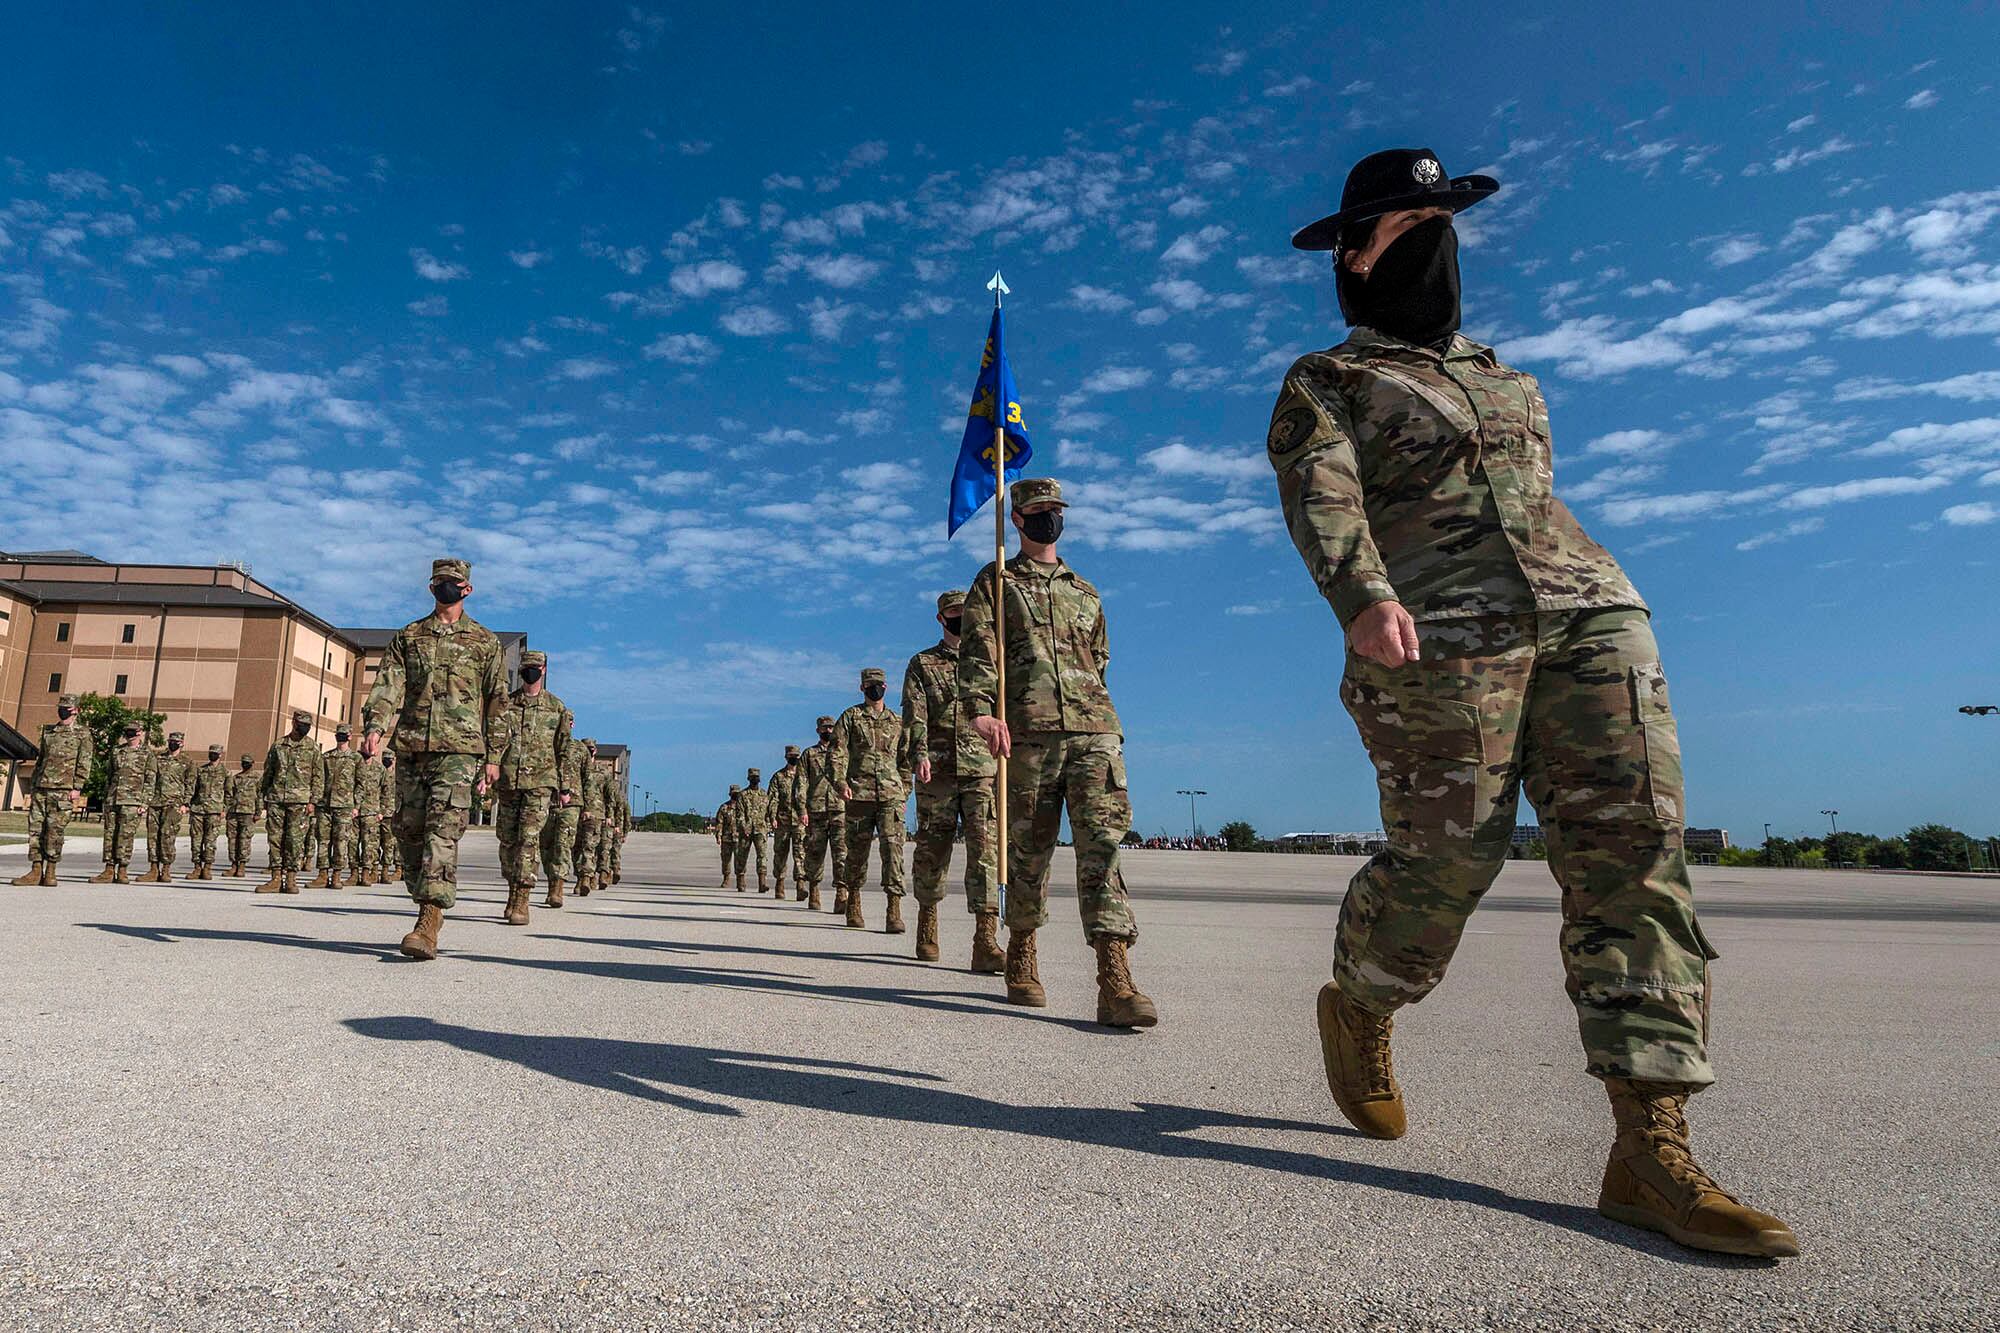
{"type": "Point", "coordinates": [175, 934]}
{"type": "Point", "coordinates": [691, 1077]}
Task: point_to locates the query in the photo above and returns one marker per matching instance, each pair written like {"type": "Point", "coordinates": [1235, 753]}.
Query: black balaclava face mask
{"type": "Point", "coordinates": [1043, 526]}
{"type": "Point", "coordinates": [243, 764]}
{"type": "Point", "coordinates": [448, 593]}
{"type": "Point", "coordinates": [874, 692]}
{"type": "Point", "coordinates": [1412, 291]}
{"type": "Point", "coordinates": [952, 623]}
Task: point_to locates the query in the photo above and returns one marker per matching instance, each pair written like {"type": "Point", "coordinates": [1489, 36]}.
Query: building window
{"type": "Point", "coordinates": [55, 682]}
{"type": "Point", "coordinates": [62, 632]}
{"type": "Point", "coordinates": [322, 705]}
{"type": "Point", "coordinates": [6, 616]}
{"type": "Point", "coordinates": [119, 688]}
{"type": "Point", "coordinates": [126, 635]}
{"type": "Point", "coordinates": [329, 661]}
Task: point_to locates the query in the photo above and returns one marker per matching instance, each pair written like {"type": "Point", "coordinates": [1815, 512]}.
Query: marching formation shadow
{"type": "Point", "coordinates": [693, 1078]}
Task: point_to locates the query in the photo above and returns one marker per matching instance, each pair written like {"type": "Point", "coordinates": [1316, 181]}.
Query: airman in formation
{"type": "Point", "coordinates": [173, 787]}
{"type": "Point", "coordinates": [537, 726]}
{"type": "Point", "coordinates": [245, 803]}
{"type": "Point", "coordinates": [129, 775]}
{"type": "Point", "coordinates": [207, 807]}
{"type": "Point", "coordinates": [62, 770]}
{"type": "Point", "coordinates": [788, 825]}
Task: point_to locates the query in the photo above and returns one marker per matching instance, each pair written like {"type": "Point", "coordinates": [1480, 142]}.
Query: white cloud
{"type": "Point", "coordinates": [753, 321]}
{"type": "Point", "coordinates": [1798, 529]}
{"type": "Point", "coordinates": [1615, 480]}
{"type": "Point", "coordinates": [1729, 250]}
{"type": "Point", "coordinates": [1974, 436]}
{"type": "Point", "coordinates": [585, 368]}
{"type": "Point", "coordinates": [683, 349]}
{"type": "Point", "coordinates": [433, 269]}
{"type": "Point", "coordinates": [1182, 460]}
{"type": "Point", "coordinates": [842, 271]}
{"type": "Point", "coordinates": [1971, 515]}
{"type": "Point", "coordinates": [1922, 100]}
{"type": "Point", "coordinates": [1195, 247]}
{"type": "Point", "coordinates": [528, 258]}
{"type": "Point", "coordinates": [1098, 300]}
{"type": "Point", "coordinates": [1863, 488]}
{"type": "Point", "coordinates": [1118, 379]}
{"type": "Point", "coordinates": [1591, 348]}
{"type": "Point", "coordinates": [1631, 443]}
{"type": "Point", "coordinates": [708, 276]}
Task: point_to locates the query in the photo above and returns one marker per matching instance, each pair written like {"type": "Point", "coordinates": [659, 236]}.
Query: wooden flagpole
{"type": "Point", "coordinates": [1000, 591]}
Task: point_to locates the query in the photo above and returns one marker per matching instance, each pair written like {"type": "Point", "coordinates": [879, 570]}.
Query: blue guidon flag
{"type": "Point", "coordinates": [972, 482]}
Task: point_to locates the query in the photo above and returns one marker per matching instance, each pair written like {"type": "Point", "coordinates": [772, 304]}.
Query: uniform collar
{"type": "Point", "coordinates": [944, 649]}
{"type": "Point", "coordinates": [1462, 348]}
{"type": "Point", "coordinates": [1020, 561]}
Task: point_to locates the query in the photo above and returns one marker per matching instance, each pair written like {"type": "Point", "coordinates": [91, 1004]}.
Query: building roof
{"type": "Point", "coordinates": [52, 557]}
{"type": "Point", "coordinates": [158, 594]}
{"type": "Point", "coordinates": [605, 750]}
{"type": "Point", "coordinates": [13, 745]}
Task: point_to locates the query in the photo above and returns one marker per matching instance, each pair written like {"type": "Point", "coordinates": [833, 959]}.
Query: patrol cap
{"type": "Point", "coordinates": [589, 744]}
{"type": "Point", "coordinates": [1036, 491]}
{"type": "Point", "coordinates": [1387, 182]}
{"type": "Point", "coordinates": [951, 601]}
{"type": "Point", "coordinates": [873, 676]}
{"type": "Point", "coordinates": [449, 568]}
{"type": "Point", "coordinates": [244, 758]}
{"type": "Point", "coordinates": [822, 721]}
{"type": "Point", "coordinates": [341, 733]}
{"type": "Point", "coordinates": [791, 752]}
{"type": "Point", "coordinates": [754, 774]}
{"type": "Point", "coordinates": [173, 736]}
{"type": "Point", "coordinates": [301, 715]}
{"type": "Point", "coordinates": [735, 789]}
{"type": "Point", "coordinates": [534, 657]}
{"type": "Point", "coordinates": [66, 701]}
{"type": "Point", "coordinates": [215, 752]}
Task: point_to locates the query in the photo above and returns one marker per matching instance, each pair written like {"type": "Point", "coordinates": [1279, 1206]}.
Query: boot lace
{"type": "Point", "coordinates": [1666, 1128]}
{"type": "Point", "coordinates": [1371, 1043]}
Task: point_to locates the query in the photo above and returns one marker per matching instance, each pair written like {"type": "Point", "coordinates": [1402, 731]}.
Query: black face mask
{"type": "Point", "coordinates": [172, 746]}
{"type": "Point", "coordinates": [826, 735]}
{"type": "Point", "coordinates": [1044, 526]}
{"type": "Point", "coordinates": [952, 624]}
{"type": "Point", "coordinates": [1412, 292]}
{"type": "Point", "coordinates": [756, 783]}
{"type": "Point", "coordinates": [65, 713]}
{"type": "Point", "coordinates": [245, 766]}
{"type": "Point", "coordinates": [529, 675]}
{"type": "Point", "coordinates": [131, 735]}
{"type": "Point", "coordinates": [873, 693]}
{"type": "Point", "coordinates": [299, 732]}
{"type": "Point", "coordinates": [448, 594]}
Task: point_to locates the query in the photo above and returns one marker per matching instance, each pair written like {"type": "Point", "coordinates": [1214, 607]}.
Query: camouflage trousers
{"type": "Point", "coordinates": [944, 807]}
{"type": "Point", "coordinates": [311, 843]}
{"type": "Point", "coordinates": [367, 841]}
{"type": "Point", "coordinates": [204, 827]}
{"type": "Point", "coordinates": [121, 824]}
{"type": "Point", "coordinates": [343, 837]}
{"type": "Point", "coordinates": [48, 815]}
{"type": "Point", "coordinates": [559, 841]}
{"type": "Point", "coordinates": [433, 802]}
{"type": "Point", "coordinates": [385, 842]}
{"type": "Point", "coordinates": [744, 846]}
{"type": "Point", "coordinates": [1084, 771]}
{"type": "Point", "coordinates": [242, 828]}
{"type": "Point", "coordinates": [588, 831]}
{"type": "Point", "coordinates": [285, 826]}
{"type": "Point", "coordinates": [825, 838]}
{"type": "Point", "coordinates": [873, 821]}
{"type": "Point", "coordinates": [519, 829]}
{"type": "Point", "coordinates": [163, 825]}
{"type": "Point", "coordinates": [728, 848]}
{"type": "Point", "coordinates": [607, 852]}
{"type": "Point", "coordinates": [788, 848]}
{"type": "Point", "coordinates": [1572, 708]}
{"type": "Point", "coordinates": [618, 852]}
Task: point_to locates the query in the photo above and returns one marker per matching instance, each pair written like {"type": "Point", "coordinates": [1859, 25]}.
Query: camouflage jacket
{"type": "Point", "coordinates": [293, 772]}
{"type": "Point", "coordinates": [596, 788]}
{"type": "Point", "coordinates": [443, 689]}
{"type": "Point", "coordinates": [1428, 479]}
{"type": "Point", "coordinates": [211, 788]}
{"type": "Point", "coordinates": [753, 812]}
{"type": "Point", "coordinates": [340, 775]}
{"type": "Point", "coordinates": [788, 796]}
{"type": "Point", "coordinates": [571, 761]}
{"type": "Point", "coordinates": [128, 775]}
{"type": "Point", "coordinates": [246, 792]}
{"type": "Point", "coordinates": [173, 778]}
{"type": "Point", "coordinates": [816, 779]}
{"type": "Point", "coordinates": [931, 721]}
{"type": "Point", "coordinates": [368, 790]}
{"type": "Point", "coordinates": [868, 753]}
{"type": "Point", "coordinates": [537, 730]}
{"type": "Point", "coordinates": [725, 821]}
{"type": "Point", "coordinates": [62, 761]}
{"type": "Point", "coordinates": [1057, 648]}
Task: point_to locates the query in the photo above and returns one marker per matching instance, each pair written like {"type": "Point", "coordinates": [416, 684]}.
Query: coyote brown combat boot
{"type": "Point", "coordinates": [763, 885]}
{"type": "Point", "coordinates": [290, 883]}
{"type": "Point", "coordinates": [272, 884]}
{"type": "Point", "coordinates": [34, 875]}
{"type": "Point", "coordinates": [988, 957]}
{"type": "Point", "coordinates": [739, 881]}
{"type": "Point", "coordinates": [517, 905]}
{"type": "Point", "coordinates": [319, 880]}
{"type": "Point", "coordinates": [894, 924]}
{"type": "Point", "coordinates": [839, 900]}
{"type": "Point", "coordinates": [1024, 983]}
{"type": "Point", "coordinates": [855, 917]}
{"type": "Point", "coordinates": [105, 876]}
{"type": "Point", "coordinates": [48, 874]}
{"type": "Point", "coordinates": [422, 943]}
{"type": "Point", "coordinates": [1653, 1181]}
{"type": "Point", "coordinates": [333, 879]}
{"type": "Point", "coordinates": [927, 932]}
{"type": "Point", "coordinates": [1120, 1004]}
{"type": "Point", "coordinates": [118, 875]}
{"type": "Point", "coordinates": [1354, 1046]}
{"type": "Point", "coordinates": [201, 872]}
{"type": "Point", "coordinates": [812, 897]}
{"type": "Point", "coordinates": [555, 892]}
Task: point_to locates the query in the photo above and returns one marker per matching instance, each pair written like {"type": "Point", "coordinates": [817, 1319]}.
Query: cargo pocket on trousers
{"type": "Point", "coordinates": [1428, 752]}
{"type": "Point", "coordinates": [1655, 716]}
{"type": "Point", "coordinates": [1709, 954]}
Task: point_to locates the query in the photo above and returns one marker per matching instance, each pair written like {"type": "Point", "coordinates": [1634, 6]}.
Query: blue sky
{"type": "Point", "coordinates": [667, 321]}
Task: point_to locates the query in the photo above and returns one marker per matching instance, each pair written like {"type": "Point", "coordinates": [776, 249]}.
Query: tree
{"type": "Point", "coordinates": [1889, 854]}
{"type": "Point", "coordinates": [105, 715]}
{"type": "Point", "coordinates": [1935, 847]}
{"type": "Point", "coordinates": [666, 821]}
{"type": "Point", "coordinates": [1238, 836]}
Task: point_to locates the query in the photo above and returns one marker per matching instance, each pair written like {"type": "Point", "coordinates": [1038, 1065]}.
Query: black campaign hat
{"type": "Point", "coordinates": [1393, 179]}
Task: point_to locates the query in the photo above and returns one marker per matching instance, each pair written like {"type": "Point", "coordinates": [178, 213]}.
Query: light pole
{"type": "Point", "coordinates": [1831, 821]}
{"type": "Point", "coordinates": [1979, 710]}
{"type": "Point", "coordinates": [1191, 794]}
{"type": "Point", "coordinates": [1767, 831]}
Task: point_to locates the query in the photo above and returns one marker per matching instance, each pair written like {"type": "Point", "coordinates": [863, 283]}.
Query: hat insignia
{"type": "Point", "coordinates": [1427, 171]}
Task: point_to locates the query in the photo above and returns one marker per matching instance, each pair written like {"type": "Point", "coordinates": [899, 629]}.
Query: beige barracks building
{"type": "Point", "coordinates": [222, 655]}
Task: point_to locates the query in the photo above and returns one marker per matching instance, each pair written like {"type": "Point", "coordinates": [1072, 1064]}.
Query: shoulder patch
{"type": "Point", "coordinates": [1296, 421]}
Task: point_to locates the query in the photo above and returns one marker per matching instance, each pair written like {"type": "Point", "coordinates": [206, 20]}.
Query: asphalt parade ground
{"type": "Point", "coordinates": [669, 1106]}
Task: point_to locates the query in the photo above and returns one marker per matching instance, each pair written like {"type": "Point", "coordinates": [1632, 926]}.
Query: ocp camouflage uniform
{"type": "Point", "coordinates": [611, 828]}
{"type": "Point", "coordinates": [538, 727]}
{"type": "Point", "coordinates": [206, 806]}
{"type": "Point", "coordinates": [368, 821]}
{"type": "Point", "coordinates": [959, 794]}
{"type": "Point", "coordinates": [725, 833]}
{"type": "Point", "coordinates": [788, 817]}
{"type": "Point", "coordinates": [868, 754]}
{"type": "Point", "coordinates": [590, 827]}
{"type": "Point", "coordinates": [173, 785]}
{"type": "Point", "coordinates": [128, 792]}
{"type": "Point", "coordinates": [1066, 740]}
{"type": "Point", "coordinates": [442, 688]}
{"type": "Point", "coordinates": [826, 813]}
{"type": "Point", "coordinates": [753, 821]}
{"type": "Point", "coordinates": [294, 775]}
{"type": "Point", "coordinates": [388, 857]}
{"type": "Point", "coordinates": [559, 829]}
{"type": "Point", "coordinates": [246, 802]}
{"type": "Point", "coordinates": [63, 759]}
{"type": "Point", "coordinates": [1425, 478]}
{"type": "Point", "coordinates": [339, 802]}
